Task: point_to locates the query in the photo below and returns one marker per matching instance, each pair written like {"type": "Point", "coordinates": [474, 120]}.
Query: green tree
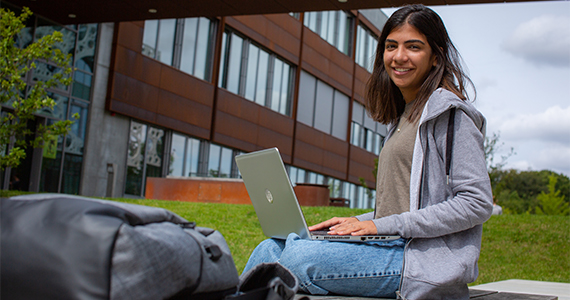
{"type": "Point", "coordinates": [25, 100]}
{"type": "Point", "coordinates": [552, 203]}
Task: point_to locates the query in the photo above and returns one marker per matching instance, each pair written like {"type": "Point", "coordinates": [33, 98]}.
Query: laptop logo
{"type": "Point", "coordinates": [268, 196]}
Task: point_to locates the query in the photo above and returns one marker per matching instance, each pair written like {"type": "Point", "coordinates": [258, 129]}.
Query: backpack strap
{"type": "Point", "coordinates": [449, 141]}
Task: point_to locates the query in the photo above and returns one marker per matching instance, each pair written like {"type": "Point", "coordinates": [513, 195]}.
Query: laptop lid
{"type": "Point", "coordinates": [274, 199]}
{"type": "Point", "coordinates": [272, 194]}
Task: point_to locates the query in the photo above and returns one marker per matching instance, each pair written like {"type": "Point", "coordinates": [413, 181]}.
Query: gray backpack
{"type": "Point", "coordinates": [67, 247]}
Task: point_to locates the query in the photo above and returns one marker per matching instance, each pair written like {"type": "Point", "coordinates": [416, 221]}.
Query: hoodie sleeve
{"type": "Point", "coordinates": [466, 202]}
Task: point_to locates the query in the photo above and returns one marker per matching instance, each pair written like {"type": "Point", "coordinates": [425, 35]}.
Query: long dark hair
{"type": "Point", "coordinates": [384, 101]}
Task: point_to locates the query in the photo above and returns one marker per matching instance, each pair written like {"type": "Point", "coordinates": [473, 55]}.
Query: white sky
{"type": "Point", "coordinates": [518, 56]}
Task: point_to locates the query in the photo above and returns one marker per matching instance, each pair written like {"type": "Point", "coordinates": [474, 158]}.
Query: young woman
{"type": "Point", "coordinates": [416, 84]}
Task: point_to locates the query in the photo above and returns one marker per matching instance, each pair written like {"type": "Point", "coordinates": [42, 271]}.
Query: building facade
{"type": "Point", "coordinates": [182, 97]}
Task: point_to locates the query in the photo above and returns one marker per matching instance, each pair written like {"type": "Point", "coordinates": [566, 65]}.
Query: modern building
{"type": "Point", "coordinates": [179, 91]}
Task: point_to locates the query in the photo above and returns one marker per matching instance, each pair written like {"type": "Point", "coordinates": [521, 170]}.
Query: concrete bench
{"type": "Point", "coordinates": [503, 290]}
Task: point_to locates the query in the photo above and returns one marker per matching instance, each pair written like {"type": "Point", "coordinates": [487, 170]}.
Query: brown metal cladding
{"type": "Point", "coordinates": [326, 62]}
{"type": "Point", "coordinates": [146, 89]}
{"type": "Point", "coordinates": [248, 126]}
{"type": "Point", "coordinates": [361, 165]}
{"type": "Point", "coordinates": [279, 33]}
{"type": "Point", "coordinates": [361, 77]}
{"type": "Point", "coordinates": [320, 152]}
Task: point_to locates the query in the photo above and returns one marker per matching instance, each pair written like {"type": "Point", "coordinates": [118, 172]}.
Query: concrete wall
{"type": "Point", "coordinates": [107, 135]}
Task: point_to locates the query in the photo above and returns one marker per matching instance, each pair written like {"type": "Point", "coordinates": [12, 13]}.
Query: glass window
{"type": "Point", "coordinates": [332, 26]}
{"type": "Point", "coordinates": [75, 139]}
{"type": "Point", "coordinates": [225, 163]}
{"type": "Point", "coordinates": [340, 117]}
{"type": "Point", "coordinates": [165, 41]}
{"type": "Point", "coordinates": [223, 61]}
{"type": "Point", "coordinates": [284, 103]}
{"type": "Point", "coordinates": [149, 38]}
{"type": "Point", "coordinates": [261, 87]}
{"type": "Point", "coordinates": [203, 49]}
{"type": "Point", "coordinates": [85, 52]}
{"type": "Point", "coordinates": [135, 159]}
{"type": "Point", "coordinates": [251, 72]}
{"type": "Point", "coordinates": [214, 161]}
{"type": "Point", "coordinates": [277, 84]}
{"type": "Point", "coordinates": [192, 157]}
{"type": "Point", "coordinates": [306, 102]}
{"type": "Point", "coordinates": [176, 167]}
{"type": "Point", "coordinates": [251, 79]}
{"type": "Point", "coordinates": [144, 159]}
{"type": "Point", "coordinates": [189, 44]}
{"type": "Point", "coordinates": [366, 44]}
{"type": "Point", "coordinates": [234, 64]}
{"type": "Point", "coordinates": [81, 87]}
{"type": "Point", "coordinates": [323, 104]}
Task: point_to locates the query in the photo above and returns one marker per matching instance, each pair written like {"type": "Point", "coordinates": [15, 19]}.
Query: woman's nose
{"type": "Point", "coordinates": [400, 55]}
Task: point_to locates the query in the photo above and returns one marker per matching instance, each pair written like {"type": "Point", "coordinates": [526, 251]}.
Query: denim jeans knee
{"type": "Point", "coordinates": [371, 269]}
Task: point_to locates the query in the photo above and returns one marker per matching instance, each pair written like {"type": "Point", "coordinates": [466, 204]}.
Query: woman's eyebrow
{"type": "Point", "coordinates": [406, 42]}
{"type": "Point", "coordinates": [414, 41]}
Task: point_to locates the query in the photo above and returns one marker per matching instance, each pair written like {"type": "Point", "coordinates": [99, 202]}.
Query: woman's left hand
{"type": "Point", "coordinates": [354, 228]}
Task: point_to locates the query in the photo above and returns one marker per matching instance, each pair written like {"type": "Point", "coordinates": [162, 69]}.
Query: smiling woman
{"type": "Point", "coordinates": [439, 218]}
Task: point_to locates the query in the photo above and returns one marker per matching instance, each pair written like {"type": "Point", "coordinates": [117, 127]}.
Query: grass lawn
{"type": "Point", "coordinates": [514, 246]}
{"type": "Point", "coordinates": [527, 247]}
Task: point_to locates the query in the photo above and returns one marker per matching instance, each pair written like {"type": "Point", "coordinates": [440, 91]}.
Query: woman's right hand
{"type": "Point", "coordinates": [332, 222]}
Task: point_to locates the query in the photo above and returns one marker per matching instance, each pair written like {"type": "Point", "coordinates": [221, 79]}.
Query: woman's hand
{"type": "Point", "coordinates": [344, 226]}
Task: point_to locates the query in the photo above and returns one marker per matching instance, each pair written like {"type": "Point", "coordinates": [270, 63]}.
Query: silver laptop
{"type": "Point", "coordinates": [274, 199]}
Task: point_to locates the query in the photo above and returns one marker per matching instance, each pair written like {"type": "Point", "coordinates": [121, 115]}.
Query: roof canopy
{"type": "Point", "coordinates": [99, 11]}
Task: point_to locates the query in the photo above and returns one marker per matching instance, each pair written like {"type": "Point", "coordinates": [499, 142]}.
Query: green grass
{"type": "Point", "coordinates": [528, 247]}
{"type": "Point", "coordinates": [514, 246]}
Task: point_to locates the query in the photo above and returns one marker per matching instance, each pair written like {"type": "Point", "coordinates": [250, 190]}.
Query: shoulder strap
{"type": "Point", "coordinates": [449, 142]}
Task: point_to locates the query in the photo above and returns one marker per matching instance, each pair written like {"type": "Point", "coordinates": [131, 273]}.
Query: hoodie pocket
{"type": "Point", "coordinates": [432, 261]}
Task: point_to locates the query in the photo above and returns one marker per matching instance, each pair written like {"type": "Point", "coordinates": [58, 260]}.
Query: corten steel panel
{"type": "Point", "coordinates": [268, 139]}
{"type": "Point", "coordinates": [130, 35]}
{"type": "Point", "coordinates": [134, 92]}
{"type": "Point", "coordinates": [183, 127]}
{"type": "Point", "coordinates": [240, 129]}
{"type": "Point", "coordinates": [326, 62]}
{"type": "Point", "coordinates": [361, 77]}
{"type": "Point", "coordinates": [184, 109]}
{"type": "Point", "coordinates": [237, 106]}
{"type": "Point", "coordinates": [248, 126]}
{"type": "Point", "coordinates": [276, 122]}
{"type": "Point", "coordinates": [320, 152]}
{"type": "Point", "coordinates": [186, 86]}
{"type": "Point", "coordinates": [361, 165]}
{"type": "Point", "coordinates": [129, 62]}
{"type": "Point", "coordinates": [279, 33]}
{"type": "Point", "coordinates": [197, 190]}
{"type": "Point", "coordinates": [137, 66]}
{"type": "Point", "coordinates": [133, 111]}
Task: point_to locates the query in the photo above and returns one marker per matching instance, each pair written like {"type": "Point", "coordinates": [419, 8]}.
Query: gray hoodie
{"type": "Point", "coordinates": [444, 223]}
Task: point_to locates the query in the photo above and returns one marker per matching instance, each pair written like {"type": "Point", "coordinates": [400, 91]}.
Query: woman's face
{"type": "Point", "coordinates": [408, 59]}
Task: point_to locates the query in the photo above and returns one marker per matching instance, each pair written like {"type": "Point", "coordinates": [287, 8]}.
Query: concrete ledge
{"type": "Point", "coordinates": [513, 289]}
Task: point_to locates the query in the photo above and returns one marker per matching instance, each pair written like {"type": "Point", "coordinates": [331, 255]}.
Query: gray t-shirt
{"type": "Point", "coordinates": [394, 169]}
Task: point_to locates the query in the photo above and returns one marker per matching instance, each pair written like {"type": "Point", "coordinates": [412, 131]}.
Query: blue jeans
{"type": "Point", "coordinates": [371, 269]}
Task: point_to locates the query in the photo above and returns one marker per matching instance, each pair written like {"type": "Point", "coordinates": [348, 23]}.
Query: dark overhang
{"type": "Point", "coordinates": [99, 11]}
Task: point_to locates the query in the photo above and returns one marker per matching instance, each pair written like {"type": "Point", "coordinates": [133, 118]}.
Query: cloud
{"type": "Point", "coordinates": [544, 40]}
{"type": "Point", "coordinates": [556, 158]}
{"type": "Point", "coordinates": [552, 125]}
